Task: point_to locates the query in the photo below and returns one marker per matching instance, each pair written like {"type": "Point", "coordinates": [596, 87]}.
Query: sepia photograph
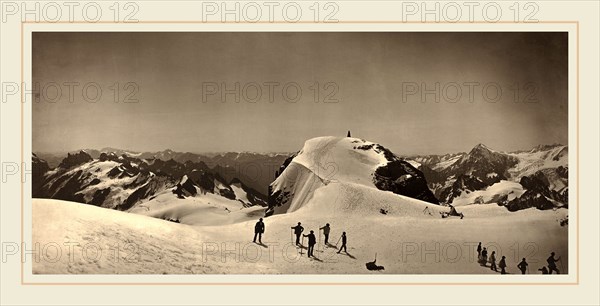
{"type": "Point", "coordinates": [301, 153]}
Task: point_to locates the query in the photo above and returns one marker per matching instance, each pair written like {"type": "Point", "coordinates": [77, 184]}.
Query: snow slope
{"type": "Point", "coordinates": [539, 159]}
{"type": "Point", "coordinates": [399, 237]}
{"type": "Point", "coordinates": [329, 181]}
{"type": "Point", "coordinates": [202, 209]}
{"type": "Point", "coordinates": [490, 194]}
{"type": "Point", "coordinates": [326, 160]}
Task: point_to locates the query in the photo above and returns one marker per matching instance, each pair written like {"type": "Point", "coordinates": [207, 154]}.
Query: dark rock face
{"type": "Point", "coordinates": [69, 187]}
{"type": "Point", "coordinates": [255, 197]}
{"type": "Point", "coordinates": [100, 196]}
{"type": "Point", "coordinates": [530, 199]}
{"type": "Point", "coordinates": [542, 190]}
{"type": "Point", "coordinates": [399, 176]}
{"type": "Point", "coordinates": [144, 192]}
{"type": "Point", "coordinates": [76, 159]}
{"type": "Point", "coordinates": [431, 175]}
{"type": "Point", "coordinates": [275, 199]}
{"type": "Point", "coordinates": [464, 182]}
{"type": "Point", "coordinates": [203, 179]}
{"type": "Point", "coordinates": [39, 167]}
{"type": "Point", "coordinates": [286, 163]}
{"type": "Point", "coordinates": [488, 166]}
{"type": "Point", "coordinates": [402, 178]}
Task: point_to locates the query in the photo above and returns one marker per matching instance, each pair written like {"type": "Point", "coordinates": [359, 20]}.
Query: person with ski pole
{"type": "Point", "coordinates": [311, 243]}
{"type": "Point", "coordinates": [298, 229]}
{"type": "Point", "coordinates": [343, 238]}
{"type": "Point", "coordinates": [523, 266]}
{"type": "Point", "coordinates": [326, 229]}
{"type": "Point", "coordinates": [552, 264]}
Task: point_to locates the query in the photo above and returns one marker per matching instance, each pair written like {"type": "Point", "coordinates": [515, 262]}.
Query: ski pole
{"type": "Point", "coordinates": [336, 244]}
{"type": "Point", "coordinates": [561, 265]}
{"type": "Point", "coordinates": [319, 246]}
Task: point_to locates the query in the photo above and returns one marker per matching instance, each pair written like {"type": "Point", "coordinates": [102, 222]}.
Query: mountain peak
{"type": "Point", "coordinates": [480, 148]}
{"type": "Point", "coordinates": [75, 159]}
{"type": "Point", "coordinates": [348, 163]}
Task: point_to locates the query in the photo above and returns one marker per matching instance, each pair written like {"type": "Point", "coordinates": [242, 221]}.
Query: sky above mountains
{"type": "Point", "coordinates": [415, 93]}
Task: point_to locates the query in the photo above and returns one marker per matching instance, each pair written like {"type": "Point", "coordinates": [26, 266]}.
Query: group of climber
{"type": "Point", "coordinates": [312, 240]}
{"type": "Point", "coordinates": [523, 266]}
{"type": "Point", "coordinates": [298, 230]}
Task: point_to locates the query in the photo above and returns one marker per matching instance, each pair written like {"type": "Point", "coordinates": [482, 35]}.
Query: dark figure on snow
{"type": "Point", "coordinates": [452, 212]}
{"type": "Point", "coordinates": [493, 261]}
{"type": "Point", "coordinates": [326, 229]}
{"type": "Point", "coordinates": [552, 263]}
{"type": "Point", "coordinates": [483, 259]}
{"type": "Point", "coordinates": [298, 229]}
{"type": "Point", "coordinates": [373, 265]}
{"type": "Point", "coordinates": [502, 265]}
{"type": "Point", "coordinates": [523, 266]}
{"type": "Point", "coordinates": [312, 240]}
{"type": "Point", "coordinates": [479, 250]}
{"type": "Point", "coordinates": [343, 243]}
{"type": "Point", "coordinates": [259, 229]}
{"type": "Point", "coordinates": [544, 270]}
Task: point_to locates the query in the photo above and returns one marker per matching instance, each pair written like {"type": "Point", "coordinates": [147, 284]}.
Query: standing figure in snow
{"type": "Point", "coordinates": [479, 251]}
{"type": "Point", "coordinates": [343, 243]}
{"type": "Point", "coordinates": [312, 240]}
{"type": "Point", "coordinates": [259, 229]}
{"type": "Point", "coordinates": [298, 229]}
{"type": "Point", "coordinates": [502, 265]}
{"type": "Point", "coordinates": [552, 263]}
{"type": "Point", "coordinates": [493, 261]}
{"type": "Point", "coordinates": [523, 266]}
{"type": "Point", "coordinates": [326, 229]}
{"type": "Point", "coordinates": [483, 260]}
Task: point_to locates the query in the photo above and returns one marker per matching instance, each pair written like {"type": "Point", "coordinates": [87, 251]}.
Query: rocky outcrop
{"type": "Point", "coordinates": [464, 183]}
{"type": "Point", "coordinates": [401, 178]}
{"type": "Point", "coordinates": [75, 159]}
{"type": "Point", "coordinates": [39, 167]}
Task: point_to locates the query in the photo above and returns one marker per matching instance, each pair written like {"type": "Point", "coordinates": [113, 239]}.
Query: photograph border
{"type": "Point", "coordinates": [308, 283]}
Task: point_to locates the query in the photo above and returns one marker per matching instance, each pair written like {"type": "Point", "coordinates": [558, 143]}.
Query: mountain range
{"type": "Point", "coordinates": [517, 180]}
{"type": "Point", "coordinates": [173, 210]}
{"type": "Point", "coordinates": [124, 180]}
{"type": "Point", "coordinates": [256, 170]}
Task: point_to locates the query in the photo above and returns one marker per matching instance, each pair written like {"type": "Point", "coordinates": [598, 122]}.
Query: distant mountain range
{"type": "Point", "coordinates": [487, 176]}
{"type": "Point", "coordinates": [256, 170]}
{"type": "Point", "coordinates": [123, 180]}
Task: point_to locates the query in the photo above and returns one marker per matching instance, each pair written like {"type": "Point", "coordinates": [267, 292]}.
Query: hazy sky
{"type": "Point", "coordinates": [372, 72]}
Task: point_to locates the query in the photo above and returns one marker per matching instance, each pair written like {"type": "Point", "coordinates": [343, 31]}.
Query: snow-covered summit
{"type": "Point", "coordinates": [343, 160]}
